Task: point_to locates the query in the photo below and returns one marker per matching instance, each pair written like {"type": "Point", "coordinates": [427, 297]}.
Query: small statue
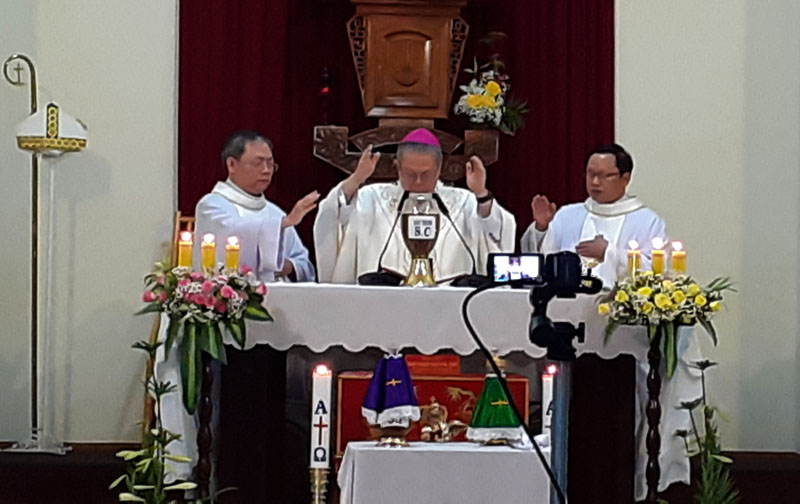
{"type": "Point", "coordinates": [435, 426]}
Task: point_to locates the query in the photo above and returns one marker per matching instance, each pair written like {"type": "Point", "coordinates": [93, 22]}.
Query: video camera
{"type": "Point", "coordinates": [561, 277]}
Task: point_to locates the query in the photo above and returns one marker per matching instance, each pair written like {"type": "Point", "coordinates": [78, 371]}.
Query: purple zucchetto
{"type": "Point", "coordinates": [421, 136]}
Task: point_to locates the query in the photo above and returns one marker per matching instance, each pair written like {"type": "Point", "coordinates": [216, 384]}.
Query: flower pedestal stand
{"type": "Point", "coordinates": [653, 413]}
{"type": "Point", "coordinates": [202, 472]}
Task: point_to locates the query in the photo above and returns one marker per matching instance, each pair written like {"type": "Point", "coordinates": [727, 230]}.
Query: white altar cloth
{"type": "Point", "coordinates": [318, 316]}
{"type": "Point", "coordinates": [442, 473]}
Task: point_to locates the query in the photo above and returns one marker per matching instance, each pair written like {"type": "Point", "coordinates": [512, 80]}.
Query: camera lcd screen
{"type": "Point", "coordinates": [515, 267]}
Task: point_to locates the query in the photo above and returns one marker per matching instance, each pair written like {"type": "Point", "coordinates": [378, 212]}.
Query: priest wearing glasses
{"type": "Point", "coordinates": [270, 245]}
{"type": "Point", "coordinates": [599, 230]}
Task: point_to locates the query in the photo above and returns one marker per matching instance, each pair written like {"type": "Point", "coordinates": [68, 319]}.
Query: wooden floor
{"type": "Point", "coordinates": [82, 476]}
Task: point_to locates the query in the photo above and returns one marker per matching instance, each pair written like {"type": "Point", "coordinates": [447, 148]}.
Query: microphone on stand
{"type": "Point", "coordinates": [473, 279]}
{"type": "Point", "coordinates": [379, 277]}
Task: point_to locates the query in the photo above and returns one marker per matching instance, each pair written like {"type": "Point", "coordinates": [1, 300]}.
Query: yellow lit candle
{"type": "Point", "coordinates": [678, 257]}
{"type": "Point", "coordinates": [209, 252]}
{"type": "Point", "coordinates": [185, 249]}
{"type": "Point", "coordinates": [232, 254]}
{"type": "Point", "coordinates": [634, 258]}
{"type": "Point", "coordinates": [659, 256]}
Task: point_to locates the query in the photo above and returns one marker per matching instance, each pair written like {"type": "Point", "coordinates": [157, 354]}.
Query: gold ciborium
{"type": "Point", "coordinates": [420, 228]}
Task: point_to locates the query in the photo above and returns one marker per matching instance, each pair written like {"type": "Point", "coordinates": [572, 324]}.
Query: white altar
{"type": "Point", "coordinates": [319, 316]}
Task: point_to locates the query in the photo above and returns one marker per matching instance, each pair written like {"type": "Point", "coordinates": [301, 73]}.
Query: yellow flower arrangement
{"type": "Point", "coordinates": [493, 88]}
{"type": "Point", "coordinates": [486, 99]}
{"type": "Point", "coordinates": [662, 300]}
{"type": "Point", "coordinates": [663, 304]}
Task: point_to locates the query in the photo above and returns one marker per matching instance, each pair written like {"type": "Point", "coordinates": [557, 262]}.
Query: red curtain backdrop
{"type": "Point", "coordinates": [255, 64]}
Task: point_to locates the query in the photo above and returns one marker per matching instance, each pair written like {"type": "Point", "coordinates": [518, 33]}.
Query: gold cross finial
{"type": "Point", "coordinates": [394, 382]}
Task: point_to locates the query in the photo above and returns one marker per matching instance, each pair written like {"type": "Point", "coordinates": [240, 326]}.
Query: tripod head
{"type": "Point", "coordinates": [561, 278]}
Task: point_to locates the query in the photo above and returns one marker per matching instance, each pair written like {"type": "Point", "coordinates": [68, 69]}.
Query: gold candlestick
{"type": "Point", "coordinates": [319, 484]}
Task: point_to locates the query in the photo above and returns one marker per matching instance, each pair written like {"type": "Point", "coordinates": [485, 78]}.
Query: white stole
{"type": "Point", "coordinates": [607, 220]}
{"type": "Point", "coordinates": [246, 203]}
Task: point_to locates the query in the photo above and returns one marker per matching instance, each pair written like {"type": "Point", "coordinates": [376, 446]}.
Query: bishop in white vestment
{"type": "Point", "coordinates": [599, 230]}
{"type": "Point", "coordinates": [353, 222]}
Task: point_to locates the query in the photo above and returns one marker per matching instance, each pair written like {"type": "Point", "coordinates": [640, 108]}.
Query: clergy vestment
{"type": "Point", "coordinates": [349, 236]}
{"type": "Point", "coordinates": [265, 245]}
{"type": "Point", "coordinates": [619, 222]}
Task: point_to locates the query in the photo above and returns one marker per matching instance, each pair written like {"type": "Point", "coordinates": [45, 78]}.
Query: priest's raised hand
{"type": "Point", "coordinates": [300, 209]}
{"type": "Point", "coordinates": [543, 211]}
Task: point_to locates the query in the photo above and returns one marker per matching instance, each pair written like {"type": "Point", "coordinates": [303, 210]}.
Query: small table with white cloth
{"type": "Point", "coordinates": [442, 473]}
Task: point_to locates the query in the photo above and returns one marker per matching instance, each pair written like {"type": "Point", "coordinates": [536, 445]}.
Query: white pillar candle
{"type": "Point", "coordinates": [321, 417]}
{"type": "Point", "coordinates": [547, 397]}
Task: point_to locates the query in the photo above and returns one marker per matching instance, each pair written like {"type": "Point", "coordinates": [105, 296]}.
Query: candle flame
{"type": "Point", "coordinates": [677, 246]}
{"type": "Point", "coordinates": [551, 369]}
{"type": "Point", "coordinates": [322, 370]}
{"type": "Point", "coordinates": [657, 242]}
{"type": "Point", "coordinates": [233, 241]}
{"type": "Point", "coordinates": [633, 245]}
{"type": "Point", "coordinates": [186, 236]}
{"type": "Point", "coordinates": [208, 238]}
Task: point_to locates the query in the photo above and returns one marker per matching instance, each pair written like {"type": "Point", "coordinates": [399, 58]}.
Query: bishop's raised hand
{"type": "Point", "coordinates": [543, 211]}
{"type": "Point", "coordinates": [366, 165]}
{"type": "Point", "coordinates": [476, 176]}
{"type": "Point", "coordinates": [364, 170]}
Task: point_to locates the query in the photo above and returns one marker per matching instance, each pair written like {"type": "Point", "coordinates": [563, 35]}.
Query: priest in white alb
{"type": "Point", "coordinates": [599, 230]}
{"type": "Point", "coordinates": [270, 246]}
{"type": "Point", "coordinates": [237, 207]}
{"type": "Point", "coordinates": [354, 221]}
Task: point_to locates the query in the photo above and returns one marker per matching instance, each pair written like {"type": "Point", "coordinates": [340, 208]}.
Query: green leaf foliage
{"type": "Point", "coordinates": [190, 364]}
{"type": "Point", "coordinates": [716, 483]}
{"type": "Point", "coordinates": [238, 331]}
{"type": "Point", "coordinates": [257, 312]}
{"type": "Point", "coordinates": [671, 343]}
{"type": "Point", "coordinates": [149, 308]}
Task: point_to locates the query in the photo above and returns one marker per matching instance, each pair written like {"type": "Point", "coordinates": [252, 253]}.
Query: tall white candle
{"type": "Point", "coordinates": [547, 397]}
{"type": "Point", "coordinates": [321, 417]}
